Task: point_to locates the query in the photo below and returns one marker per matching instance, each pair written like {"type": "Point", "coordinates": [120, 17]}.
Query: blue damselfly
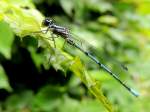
{"type": "Point", "coordinates": [65, 34]}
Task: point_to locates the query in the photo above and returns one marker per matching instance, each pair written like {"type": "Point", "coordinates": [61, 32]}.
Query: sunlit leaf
{"type": "Point", "coordinates": [68, 6]}
{"type": "Point", "coordinates": [110, 20]}
{"type": "Point", "coordinates": [91, 84]}
{"type": "Point", "coordinates": [6, 39]}
{"type": "Point", "coordinates": [22, 21]}
{"type": "Point", "coordinates": [144, 8]}
{"type": "Point", "coordinates": [99, 5]}
{"type": "Point", "coordinates": [1, 16]}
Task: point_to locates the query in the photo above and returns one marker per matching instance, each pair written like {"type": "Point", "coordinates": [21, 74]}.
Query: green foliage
{"type": "Point", "coordinates": [4, 80]}
{"type": "Point", "coordinates": [6, 39]}
{"type": "Point", "coordinates": [93, 86]}
{"type": "Point", "coordinates": [117, 29]}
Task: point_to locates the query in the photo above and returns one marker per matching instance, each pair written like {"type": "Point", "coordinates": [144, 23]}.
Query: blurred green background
{"type": "Point", "coordinates": [119, 32]}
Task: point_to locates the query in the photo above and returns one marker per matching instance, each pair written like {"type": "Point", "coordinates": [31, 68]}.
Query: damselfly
{"type": "Point", "coordinates": [65, 34]}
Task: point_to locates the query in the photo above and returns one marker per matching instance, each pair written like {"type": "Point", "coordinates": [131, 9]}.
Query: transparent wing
{"type": "Point", "coordinates": [102, 55]}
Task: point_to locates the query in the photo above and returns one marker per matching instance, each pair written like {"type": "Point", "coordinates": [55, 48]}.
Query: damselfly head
{"type": "Point", "coordinates": [47, 22]}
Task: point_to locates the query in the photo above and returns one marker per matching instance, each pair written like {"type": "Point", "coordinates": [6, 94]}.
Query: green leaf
{"type": "Point", "coordinates": [107, 19]}
{"type": "Point", "coordinates": [144, 8]}
{"type": "Point", "coordinates": [6, 39]}
{"type": "Point", "coordinates": [99, 5]}
{"type": "Point", "coordinates": [68, 6]}
{"type": "Point", "coordinates": [1, 16]}
{"type": "Point", "coordinates": [22, 21]}
{"type": "Point", "coordinates": [4, 84]}
{"type": "Point", "coordinates": [48, 98]}
{"type": "Point", "coordinates": [19, 102]}
{"type": "Point", "coordinates": [91, 84]}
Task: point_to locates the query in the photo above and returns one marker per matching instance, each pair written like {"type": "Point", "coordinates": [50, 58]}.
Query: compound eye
{"type": "Point", "coordinates": [46, 22]}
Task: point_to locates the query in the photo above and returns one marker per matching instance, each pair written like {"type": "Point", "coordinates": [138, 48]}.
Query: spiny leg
{"type": "Point", "coordinates": [41, 31]}
{"type": "Point", "coordinates": [53, 39]}
{"type": "Point", "coordinates": [64, 44]}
